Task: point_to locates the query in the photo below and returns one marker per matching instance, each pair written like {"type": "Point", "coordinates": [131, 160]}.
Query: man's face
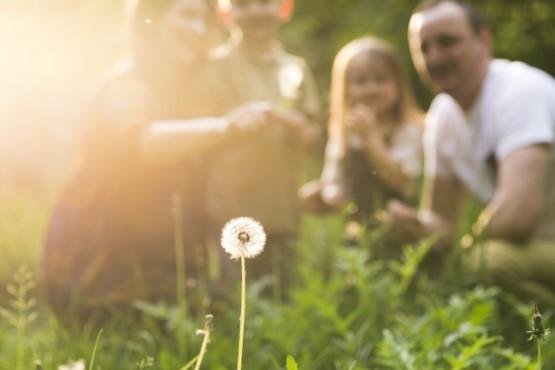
{"type": "Point", "coordinates": [256, 18]}
{"type": "Point", "coordinates": [446, 51]}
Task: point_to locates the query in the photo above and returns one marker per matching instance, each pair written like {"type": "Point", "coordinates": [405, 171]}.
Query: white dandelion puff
{"type": "Point", "coordinates": [243, 237]}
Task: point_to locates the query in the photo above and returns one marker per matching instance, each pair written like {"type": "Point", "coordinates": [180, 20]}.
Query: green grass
{"type": "Point", "coordinates": [346, 310]}
{"type": "Point", "coordinates": [23, 216]}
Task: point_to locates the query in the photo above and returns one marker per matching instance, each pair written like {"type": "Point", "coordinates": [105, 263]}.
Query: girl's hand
{"type": "Point", "coordinates": [333, 194]}
{"type": "Point", "coordinates": [361, 120]}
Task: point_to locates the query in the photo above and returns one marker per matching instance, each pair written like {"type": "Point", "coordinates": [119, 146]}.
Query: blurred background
{"type": "Point", "coordinates": [53, 52]}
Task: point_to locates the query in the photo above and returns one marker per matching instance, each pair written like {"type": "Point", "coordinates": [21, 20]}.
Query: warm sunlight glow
{"type": "Point", "coordinates": [51, 60]}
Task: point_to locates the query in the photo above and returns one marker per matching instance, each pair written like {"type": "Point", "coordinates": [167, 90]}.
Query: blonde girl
{"type": "Point", "coordinates": [374, 148]}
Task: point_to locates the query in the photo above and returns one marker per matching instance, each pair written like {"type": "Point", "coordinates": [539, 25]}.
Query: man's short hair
{"type": "Point", "coordinates": [472, 13]}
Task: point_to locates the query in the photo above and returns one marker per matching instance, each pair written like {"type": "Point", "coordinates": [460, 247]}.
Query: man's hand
{"type": "Point", "coordinates": [250, 116]}
{"type": "Point", "coordinates": [402, 222]}
{"type": "Point", "coordinates": [406, 224]}
{"type": "Point", "coordinates": [297, 123]}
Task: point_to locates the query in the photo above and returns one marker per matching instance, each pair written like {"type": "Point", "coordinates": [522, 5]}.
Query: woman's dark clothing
{"type": "Point", "coordinates": [111, 237]}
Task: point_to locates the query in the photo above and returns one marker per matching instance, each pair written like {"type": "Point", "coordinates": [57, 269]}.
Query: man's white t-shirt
{"type": "Point", "coordinates": [515, 108]}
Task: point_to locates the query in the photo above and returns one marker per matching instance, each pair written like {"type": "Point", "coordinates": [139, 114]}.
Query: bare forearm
{"type": "Point", "coordinates": [169, 141]}
{"type": "Point", "coordinates": [519, 200]}
{"type": "Point", "coordinates": [511, 221]}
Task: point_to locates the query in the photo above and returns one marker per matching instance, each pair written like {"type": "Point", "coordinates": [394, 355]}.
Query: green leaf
{"type": "Point", "coordinates": [291, 363]}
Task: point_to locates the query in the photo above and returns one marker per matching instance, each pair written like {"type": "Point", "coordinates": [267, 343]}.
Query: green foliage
{"type": "Point", "coordinates": [291, 364]}
{"type": "Point", "coordinates": [21, 312]}
{"type": "Point", "coordinates": [347, 310]}
{"type": "Point", "coordinates": [22, 223]}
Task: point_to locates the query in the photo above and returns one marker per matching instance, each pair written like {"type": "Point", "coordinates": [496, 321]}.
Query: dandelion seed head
{"type": "Point", "coordinates": [243, 236]}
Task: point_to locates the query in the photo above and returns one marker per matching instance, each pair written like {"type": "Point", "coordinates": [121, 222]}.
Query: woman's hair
{"type": "Point", "coordinates": [405, 109]}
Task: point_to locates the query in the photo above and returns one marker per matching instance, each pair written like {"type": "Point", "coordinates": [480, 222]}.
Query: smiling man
{"type": "Point", "coordinates": [490, 131]}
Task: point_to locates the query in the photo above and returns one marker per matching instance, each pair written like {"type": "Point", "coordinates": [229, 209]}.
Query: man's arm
{"type": "Point", "coordinates": [520, 195]}
{"type": "Point", "coordinates": [172, 140]}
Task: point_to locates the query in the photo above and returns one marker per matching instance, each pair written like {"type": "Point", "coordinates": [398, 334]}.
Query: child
{"type": "Point", "coordinates": [255, 172]}
{"type": "Point", "coordinates": [374, 147]}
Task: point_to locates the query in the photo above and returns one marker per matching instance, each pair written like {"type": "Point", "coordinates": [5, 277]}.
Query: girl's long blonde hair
{"type": "Point", "coordinates": [405, 109]}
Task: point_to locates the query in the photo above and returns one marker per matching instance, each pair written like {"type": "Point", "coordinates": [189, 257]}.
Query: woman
{"type": "Point", "coordinates": [111, 237]}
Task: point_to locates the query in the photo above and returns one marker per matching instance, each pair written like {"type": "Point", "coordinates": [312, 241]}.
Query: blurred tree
{"type": "Point", "coordinates": [523, 30]}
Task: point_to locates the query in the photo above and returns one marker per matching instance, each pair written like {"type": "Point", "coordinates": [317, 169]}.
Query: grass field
{"type": "Point", "coordinates": [346, 310]}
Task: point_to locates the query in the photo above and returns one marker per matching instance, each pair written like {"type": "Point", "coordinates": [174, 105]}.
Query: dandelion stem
{"type": "Point", "coordinates": [242, 317]}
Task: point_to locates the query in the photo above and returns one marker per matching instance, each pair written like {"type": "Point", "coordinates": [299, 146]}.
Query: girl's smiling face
{"type": "Point", "coordinates": [371, 82]}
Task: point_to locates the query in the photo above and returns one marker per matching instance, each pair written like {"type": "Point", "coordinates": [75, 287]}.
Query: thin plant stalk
{"type": "Point", "coordinates": [539, 365]}
{"type": "Point", "coordinates": [242, 316]}
{"type": "Point", "coordinates": [206, 339]}
{"type": "Point", "coordinates": [538, 333]}
{"type": "Point", "coordinates": [20, 356]}
{"type": "Point", "coordinates": [200, 356]}
{"type": "Point", "coordinates": [180, 263]}
{"type": "Point", "coordinates": [93, 355]}
{"type": "Point", "coordinates": [190, 363]}
{"type": "Point", "coordinates": [180, 269]}
{"type": "Point", "coordinates": [23, 313]}
{"type": "Point", "coordinates": [276, 265]}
